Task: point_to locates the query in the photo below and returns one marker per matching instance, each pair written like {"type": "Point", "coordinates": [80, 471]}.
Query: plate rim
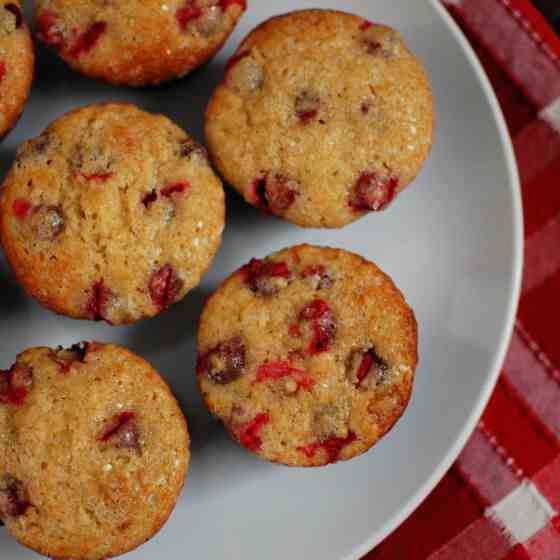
{"type": "Point", "coordinates": [515, 291]}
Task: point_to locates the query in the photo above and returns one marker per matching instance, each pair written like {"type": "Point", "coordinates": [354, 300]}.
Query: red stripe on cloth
{"type": "Point", "coordinates": [545, 545]}
{"type": "Point", "coordinates": [433, 524]}
{"type": "Point", "coordinates": [541, 254]}
{"type": "Point", "coordinates": [517, 112]}
{"type": "Point", "coordinates": [522, 55]}
{"type": "Point", "coordinates": [536, 381]}
{"type": "Point", "coordinates": [539, 310]}
{"type": "Point", "coordinates": [518, 552]}
{"type": "Point", "coordinates": [537, 146]}
{"type": "Point", "coordinates": [518, 437]}
{"type": "Point", "coordinates": [547, 480]}
{"type": "Point", "coordinates": [541, 196]}
{"type": "Point", "coordinates": [482, 540]}
{"type": "Point", "coordinates": [534, 22]}
{"type": "Point", "coordinates": [485, 469]}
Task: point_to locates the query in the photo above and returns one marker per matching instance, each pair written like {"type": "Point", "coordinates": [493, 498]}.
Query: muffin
{"type": "Point", "coordinates": [321, 117]}
{"type": "Point", "coordinates": [112, 213]}
{"type": "Point", "coordinates": [308, 356]}
{"type": "Point", "coordinates": [136, 42]}
{"type": "Point", "coordinates": [94, 451]}
{"type": "Point", "coordinates": [16, 64]}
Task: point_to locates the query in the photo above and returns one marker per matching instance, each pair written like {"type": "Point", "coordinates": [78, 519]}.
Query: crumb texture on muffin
{"type": "Point", "coordinates": [307, 356]}
{"type": "Point", "coordinates": [112, 213]}
{"type": "Point", "coordinates": [321, 117]}
{"type": "Point", "coordinates": [94, 451]}
{"type": "Point", "coordinates": [16, 63]}
{"type": "Point", "coordinates": [136, 42]}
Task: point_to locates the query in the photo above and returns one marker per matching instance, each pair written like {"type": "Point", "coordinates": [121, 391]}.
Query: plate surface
{"type": "Point", "coordinates": [452, 243]}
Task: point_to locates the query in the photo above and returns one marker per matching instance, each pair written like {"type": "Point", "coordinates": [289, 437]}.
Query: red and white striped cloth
{"type": "Point", "coordinates": [501, 499]}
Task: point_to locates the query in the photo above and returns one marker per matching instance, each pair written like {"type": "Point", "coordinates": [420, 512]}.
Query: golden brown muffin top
{"type": "Point", "coordinates": [136, 42]}
{"type": "Point", "coordinates": [112, 213]}
{"type": "Point", "coordinates": [93, 451]}
{"type": "Point", "coordinates": [321, 117]}
{"type": "Point", "coordinates": [307, 356]}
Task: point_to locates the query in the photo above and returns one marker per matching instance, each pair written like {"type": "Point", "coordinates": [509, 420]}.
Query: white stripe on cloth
{"type": "Point", "coordinates": [485, 469]}
{"type": "Point", "coordinates": [522, 513]}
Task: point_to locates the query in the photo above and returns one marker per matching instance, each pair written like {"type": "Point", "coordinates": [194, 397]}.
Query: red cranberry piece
{"type": "Point", "coordinates": [15, 384]}
{"type": "Point", "coordinates": [100, 177]}
{"type": "Point", "coordinates": [21, 378]}
{"type": "Point", "coordinates": [225, 4]}
{"type": "Point", "coordinates": [315, 310]}
{"type": "Point", "coordinates": [366, 365]}
{"type": "Point", "coordinates": [86, 40]}
{"type": "Point", "coordinates": [281, 192]}
{"type": "Point", "coordinates": [122, 432]}
{"type": "Point", "coordinates": [187, 14]}
{"type": "Point", "coordinates": [373, 47]}
{"type": "Point", "coordinates": [14, 500]}
{"type": "Point", "coordinates": [164, 286]}
{"type": "Point", "coordinates": [333, 447]}
{"type": "Point", "coordinates": [225, 363]}
{"type": "Point", "coordinates": [250, 432]}
{"type": "Point", "coordinates": [148, 198]}
{"type": "Point", "coordinates": [307, 106]}
{"type": "Point", "coordinates": [266, 277]}
{"type": "Point", "coordinates": [278, 370]}
{"type": "Point", "coordinates": [294, 330]}
{"type": "Point", "coordinates": [99, 297]}
{"type": "Point", "coordinates": [319, 313]}
{"type": "Point", "coordinates": [4, 385]}
{"type": "Point", "coordinates": [276, 193]}
{"type": "Point", "coordinates": [235, 59]}
{"type": "Point", "coordinates": [178, 187]}
{"type": "Point", "coordinates": [365, 107]}
{"type": "Point", "coordinates": [3, 71]}
{"type": "Point", "coordinates": [318, 274]}
{"type": "Point", "coordinates": [47, 222]}
{"type": "Point", "coordinates": [50, 30]}
{"type": "Point", "coordinates": [12, 8]}
{"type": "Point", "coordinates": [373, 192]}
{"type": "Point", "coordinates": [21, 208]}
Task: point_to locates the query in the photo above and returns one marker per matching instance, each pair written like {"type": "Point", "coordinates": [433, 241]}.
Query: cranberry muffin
{"type": "Point", "coordinates": [16, 64]}
{"type": "Point", "coordinates": [136, 42]}
{"type": "Point", "coordinates": [321, 117]}
{"type": "Point", "coordinates": [112, 213]}
{"type": "Point", "coordinates": [307, 356]}
{"type": "Point", "coordinates": [94, 451]}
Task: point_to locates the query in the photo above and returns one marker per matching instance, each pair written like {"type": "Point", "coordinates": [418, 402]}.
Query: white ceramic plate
{"type": "Point", "coordinates": [452, 243]}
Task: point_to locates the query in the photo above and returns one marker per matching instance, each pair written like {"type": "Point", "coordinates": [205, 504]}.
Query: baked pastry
{"type": "Point", "coordinates": [112, 213]}
{"type": "Point", "coordinates": [136, 42]}
{"type": "Point", "coordinates": [16, 64]}
{"type": "Point", "coordinates": [321, 117]}
{"type": "Point", "coordinates": [307, 356]}
{"type": "Point", "coordinates": [94, 451]}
